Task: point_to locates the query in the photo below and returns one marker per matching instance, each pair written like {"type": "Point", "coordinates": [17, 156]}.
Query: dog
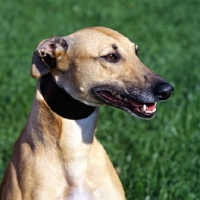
{"type": "Point", "coordinates": [57, 156]}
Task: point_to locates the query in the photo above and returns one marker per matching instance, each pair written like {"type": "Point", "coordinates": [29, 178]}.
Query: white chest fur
{"type": "Point", "coordinates": [76, 143]}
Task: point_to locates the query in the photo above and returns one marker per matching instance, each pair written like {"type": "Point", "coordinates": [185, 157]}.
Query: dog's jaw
{"type": "Point", "coordinates": [142, 109]}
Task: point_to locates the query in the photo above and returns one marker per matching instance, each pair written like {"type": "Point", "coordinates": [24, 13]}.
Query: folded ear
{"type": "Point", "coordinates": [44, 57]}
{"type": "Point", "coordinates": [38, 68]}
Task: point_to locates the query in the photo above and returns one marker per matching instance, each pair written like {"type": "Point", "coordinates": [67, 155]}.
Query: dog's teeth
{"type": "Point", "coordinates": [113, 93]}
{"type": "Point", "coordinates": [154, 110]}
{"type": "Point", "coordinates": [144, 107]}
{"type": "Point", "coordinates": [118, 96]}
{"type": "Point", "coordinates": [81, 89]}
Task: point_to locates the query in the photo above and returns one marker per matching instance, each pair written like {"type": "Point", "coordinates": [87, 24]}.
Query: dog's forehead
{"type": "Point", "coordinates": [99, 36]}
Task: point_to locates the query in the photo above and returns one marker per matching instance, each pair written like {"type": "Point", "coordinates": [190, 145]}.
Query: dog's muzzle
{"type": "Point", "coordinates": [138, 102]}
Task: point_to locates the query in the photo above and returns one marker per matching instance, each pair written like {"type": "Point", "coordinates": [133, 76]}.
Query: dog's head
{"type": "Point", "coordinates": [98, 65]}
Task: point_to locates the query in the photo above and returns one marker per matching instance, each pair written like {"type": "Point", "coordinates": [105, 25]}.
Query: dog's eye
{"type": "Point", "coordinates": [111, 58]}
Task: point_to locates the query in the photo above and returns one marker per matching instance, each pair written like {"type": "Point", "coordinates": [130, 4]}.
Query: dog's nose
{"type": "Point", "coordinates": [163, 91]}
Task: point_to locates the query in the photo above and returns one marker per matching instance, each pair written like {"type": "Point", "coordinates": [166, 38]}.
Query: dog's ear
{"type": "Point", "coordinates": [38, 68]}
{"type": "Point", "coordinates": [44, 57]}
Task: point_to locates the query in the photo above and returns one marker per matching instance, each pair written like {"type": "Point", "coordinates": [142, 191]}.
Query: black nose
{"type": "Point", "coordinates": [163, 91]}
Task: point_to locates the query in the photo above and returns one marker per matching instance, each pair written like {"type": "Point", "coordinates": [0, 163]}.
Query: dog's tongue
{"type": "Point", "coordinates": [149, 106]}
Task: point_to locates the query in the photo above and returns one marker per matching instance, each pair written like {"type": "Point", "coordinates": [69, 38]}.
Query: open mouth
{"type": "Point", "coordinates": [134, 107]}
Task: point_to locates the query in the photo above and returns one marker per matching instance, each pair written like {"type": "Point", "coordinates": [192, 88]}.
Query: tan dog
{"type": "Point", "coordinates": [57, 156]}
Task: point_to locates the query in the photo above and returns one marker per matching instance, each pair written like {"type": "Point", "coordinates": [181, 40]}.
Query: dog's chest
{"type": "Point", "coordinates": [80, 193]}
{"type": "Point", "coordinates": [76, 143]}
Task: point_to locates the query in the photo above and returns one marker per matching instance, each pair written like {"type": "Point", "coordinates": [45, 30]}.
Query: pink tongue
{"type": "Point", "coordinates": [150, 107]}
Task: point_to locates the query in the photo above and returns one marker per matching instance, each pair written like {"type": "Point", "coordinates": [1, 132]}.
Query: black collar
{"type": "Point", "coordinates": [61, 102]}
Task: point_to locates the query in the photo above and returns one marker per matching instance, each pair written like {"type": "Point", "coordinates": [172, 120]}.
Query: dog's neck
{"type": "Point", "coordinates": [76, 145]}
{"type": "Point", "coordinates": [61, 102]}
{"type": "Point", "coordinates": [72, 140]}
{"type": "Point", "coordinates": [76, 130]}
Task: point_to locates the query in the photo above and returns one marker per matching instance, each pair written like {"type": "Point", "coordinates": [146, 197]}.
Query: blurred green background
{"type": "Point", "coordinates": [157, 159]}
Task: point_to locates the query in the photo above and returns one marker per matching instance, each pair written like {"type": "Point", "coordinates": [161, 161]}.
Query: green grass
{"type": "Point", "coordinates": [158, 159]}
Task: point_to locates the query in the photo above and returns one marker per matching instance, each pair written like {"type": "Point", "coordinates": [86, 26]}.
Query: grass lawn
{"type": "Point", "coordinates": [157, 159]}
